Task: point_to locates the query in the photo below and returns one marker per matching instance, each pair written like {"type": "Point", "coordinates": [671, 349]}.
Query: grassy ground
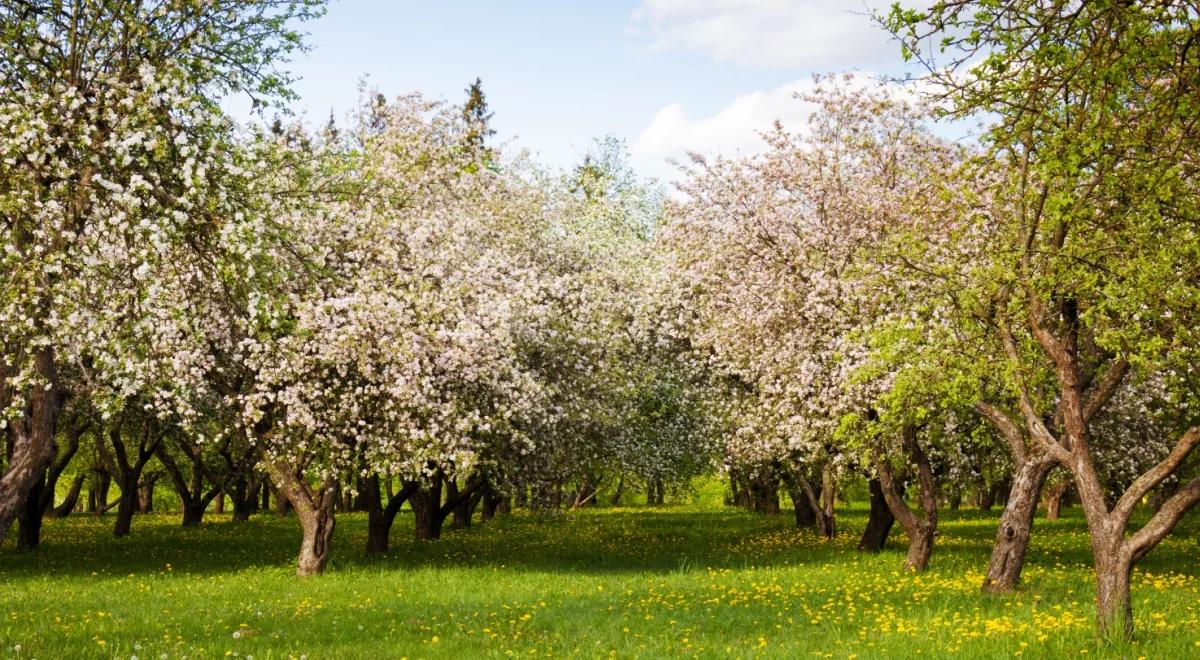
{"type": "Point", "coordinates": [693, 580]}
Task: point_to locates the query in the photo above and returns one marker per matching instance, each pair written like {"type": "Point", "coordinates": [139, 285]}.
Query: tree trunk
{"type": "Point", "coordinates": [193, 512]}
{"type": "Point", "coordinates": [314, 510]}
{"type": "Point", "coordinates": [379, 517]}
{"type": "Point", "coordinates": [219, 504]}
{"type": "Point", "coordinates": [805, 516]}
{"type": "Point", "coordinates": [920, 530]}
{"type": "Point", "coordinates": [126, 507]}
{"type": "Point", "coordinates": [71, 500]}
{"type": "Point", "coordinates": [1016, 523]}
{"type": "Point", "coordinates": [824, 522]}
{"type": "Point", "coordinates": [146, 496]}
{"type": "Point", "coordinates": [33, 447]}
{"type": "Point", "coordinates": [491, 502]}
{"type": "Point", "coordinates": [29, 523]}
{"type": "Point", "coordinates": [426, 503]}
{"type": "Point", "coordinates": [1114, 609]}
{"type": "Point", "coordinates": [879, 522]}
{"type": "Point", "coordinates": [828, 497]}
{"type": "Point", "coordinates": [1054, 500]}
{"type": "Point", "coordinates": [616, 498]}
{"type": "Point", "coordinates": [316, 526]}
{"type": "Point", "coordinates": [504, 507]}
{"type": "Point", "coordinates": [244, 497]}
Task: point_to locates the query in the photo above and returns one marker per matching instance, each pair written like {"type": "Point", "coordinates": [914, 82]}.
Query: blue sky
{"type": "Point", "coordinates": [665, 75]}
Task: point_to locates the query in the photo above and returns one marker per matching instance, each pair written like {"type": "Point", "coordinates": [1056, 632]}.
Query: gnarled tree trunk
{"type": "Point", "coordinates": [32, 439]}
{"type": "Point", "coordinates": [920, 529]}
{"type": "Point", "coordinates": [1016, 524]}
{"type": "Point", "coordinates": [314, 510]}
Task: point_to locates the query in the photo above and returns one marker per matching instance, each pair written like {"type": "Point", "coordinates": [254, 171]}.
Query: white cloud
{"type": "Point", "coordinates": [808, 35]}
{"type": "Point", "coordinates": [733, 130]}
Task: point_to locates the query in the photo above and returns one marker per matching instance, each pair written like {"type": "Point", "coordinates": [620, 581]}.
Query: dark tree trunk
{"type": "Point", "coordinates": [32, 438]}
{"type": "Point", "coordinates": [805, 516]}
{"type": "Point", "coordinates": [955, 501]}
{"type": "Point", "coordinates": [504, 507]}
{"type": "Point", "coordinates": [126, 507]}
{"type": "Point", "coordinates": [146, 494]}
{"type": "Point", "coordinates": [426, 503]}
{"type": "Point", "coordinates": [879, 522]}
{"type": "Point", "coordinates": [616, 498]}
{"type": "Point", "coordinates": [460, 514]}
{"type": "Point", "coordinates": [29, 523]}
{"type": "Point", "coordinates": [379, 517]}
{"type": "Point", "coordinates": [491, 502]}
{"type": "Point", "coordinates": [71, 500]}
{"type": "Point", "coordinates": [265, 504]}
{"type": "Point", "coordinates": [1016, 523]}
{"type": "Point", "coordinates": [244, 497]}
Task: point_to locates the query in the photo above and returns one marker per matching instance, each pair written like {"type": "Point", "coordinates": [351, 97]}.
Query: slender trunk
{"type": "Point", "coordinates": [879, 521]}
{"type": "Point", "coordinates": [616, 498]}
{"type": "Point", "coordinates": [491, 502]}
{"type": "Point", "coordinates": [219, 504]}
{"type": "Point", "coordinates": [71, 500]}
{"type": "Point", "coordinates": [828, 497]}
{"type": "Point", "coordinates": [1016, 523]}
{"type": "Point", "coordinates": [825, 523]}
{"type": "Point", "coordinates": [1054, 499]}
{"type": "Point", "coordinates": [922, 529]}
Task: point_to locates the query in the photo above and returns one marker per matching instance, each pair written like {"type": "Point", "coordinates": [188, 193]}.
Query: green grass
{"type": "Point", "coordinates": [697, 579]}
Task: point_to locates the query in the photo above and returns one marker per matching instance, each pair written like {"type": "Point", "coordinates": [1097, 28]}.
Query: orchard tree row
{"type": "Point", "coordinates": [393, 309]}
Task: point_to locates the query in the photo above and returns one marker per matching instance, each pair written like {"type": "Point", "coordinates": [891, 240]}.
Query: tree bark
{"type": "Point", "coordinates": [314, 510]}
{"type": "Point", "coordinates": [1054, 499]}
{"type": "Point", "coordinates": [805, 516]}
{"type": "Point", "coordinates": [71, 500]}
{"type": "Point", "coordinates": [29, 523]}
{"type": "Point", "coordinates": [879, 521]}
{"type": "Point", "coordinates": [379, 517]}
{"type": "Point", "coordinates": [1016, 524]}
{"type": "Point", "coordinates": [920, 530]}
{"type": "Point", "coordinates": [32, 438]}
{"type": "Point", "coordinates": [824, 521]}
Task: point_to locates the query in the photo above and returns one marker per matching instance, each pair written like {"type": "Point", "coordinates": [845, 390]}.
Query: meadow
{"type": "Point", "coordinates": [688, 580]}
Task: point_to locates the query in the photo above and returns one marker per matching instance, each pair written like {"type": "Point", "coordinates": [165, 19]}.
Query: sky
{"type": "Point", "coordinates": [667, 76]}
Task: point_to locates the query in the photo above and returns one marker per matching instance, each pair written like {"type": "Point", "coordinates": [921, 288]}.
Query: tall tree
{"type": "Point", "coordinates": [1091, 283]}
{"type": "Point", "coordinates": [111, 149]}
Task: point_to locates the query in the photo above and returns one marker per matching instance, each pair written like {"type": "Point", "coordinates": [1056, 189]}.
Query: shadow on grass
{"type": "Point", "coordinates": [664, 540]}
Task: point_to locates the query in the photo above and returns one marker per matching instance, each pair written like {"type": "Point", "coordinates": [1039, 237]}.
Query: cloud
{"type": "Point", "coordinates": [810, 35]}
{"type": "Point", "coordinates": [734, 130]}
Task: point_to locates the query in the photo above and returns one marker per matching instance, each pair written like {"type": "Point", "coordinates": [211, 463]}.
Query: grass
{"type": "Point", "coordinates": [688, 580]}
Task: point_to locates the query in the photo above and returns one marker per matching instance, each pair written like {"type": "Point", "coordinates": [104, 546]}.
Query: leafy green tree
{"type": "Point", "coordinates": [1090, 284]}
